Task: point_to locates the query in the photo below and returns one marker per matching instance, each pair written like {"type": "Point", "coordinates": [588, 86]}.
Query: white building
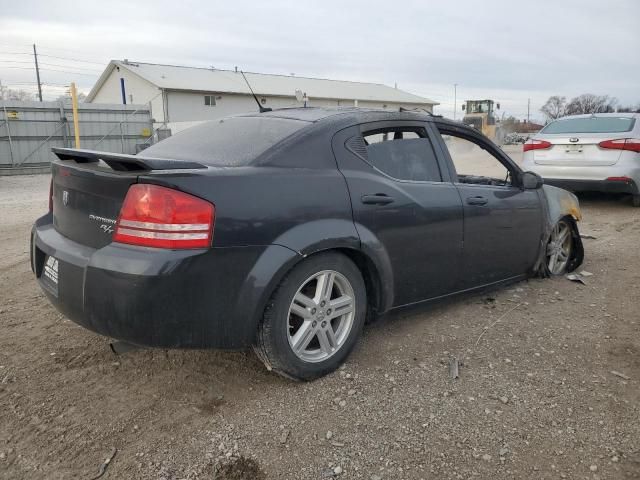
{"type": "Point", "coordinates": [179, 96]}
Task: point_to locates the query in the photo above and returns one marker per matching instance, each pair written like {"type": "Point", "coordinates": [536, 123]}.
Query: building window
{"type": "Point", "coordinates": [210, 100]}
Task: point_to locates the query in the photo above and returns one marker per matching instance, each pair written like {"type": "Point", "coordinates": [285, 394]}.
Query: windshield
{"type": "Point", "coordinates": [590, 125]}
{"type": "Point", "coordinates": [229, 142]}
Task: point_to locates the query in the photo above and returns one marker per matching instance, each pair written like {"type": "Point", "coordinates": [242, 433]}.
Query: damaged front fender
{"type": "Point", "coordinates": [559, 204]}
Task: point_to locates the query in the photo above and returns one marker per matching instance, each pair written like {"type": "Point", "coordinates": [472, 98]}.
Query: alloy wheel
{"type": "Point", "coordinates": [559, 248]}
{"type": "Point", "coordinates": [321, 316]}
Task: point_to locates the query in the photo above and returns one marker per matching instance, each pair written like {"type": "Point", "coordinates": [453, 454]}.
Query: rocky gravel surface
{"type": "Point", "coordinates": [548, 386]}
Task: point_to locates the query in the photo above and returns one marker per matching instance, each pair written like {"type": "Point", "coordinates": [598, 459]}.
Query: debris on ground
{"type": "Point", "coordinates": [494, 323]}
{"type": "Point", "coordinates": [621, 375]}
{"type": "Point", "coordinates": [574, 277]}
{"type": "Point", "coordinates": [584, 273]}
{"type": "Point", "coordinates": [587, 236]}
{"type": "Point", "coordinates": [454, 366]}
{"type": "Point", "coordinates": [105, 464]}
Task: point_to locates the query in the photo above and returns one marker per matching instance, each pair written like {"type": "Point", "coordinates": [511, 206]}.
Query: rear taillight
{"type": "Point", "coordinates": [620, 179]}
{"type": "Point", "coordinates": [51, 196]}
{"type": "Point", "coordinates": [631, 144]}
{"type": "Point", "coordinates": [161, 217]}
{"type": "Point", "coordinates": [533, 144]}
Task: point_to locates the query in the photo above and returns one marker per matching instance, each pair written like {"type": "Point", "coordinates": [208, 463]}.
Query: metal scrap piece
{"type": "Point", "coordinates": [454, 366]}
{"type": "Point", "coordinates": [105, 464]}
{"type": "Point", "coordinates": [574, 277]}
{"type": "Point", "coordinates": [621, 375]}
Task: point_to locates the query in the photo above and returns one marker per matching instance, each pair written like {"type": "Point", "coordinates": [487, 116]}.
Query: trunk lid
{"type": "Point", "coordinates": [578, 149]}
{"type": "Point", "coordinates": [90, 187]}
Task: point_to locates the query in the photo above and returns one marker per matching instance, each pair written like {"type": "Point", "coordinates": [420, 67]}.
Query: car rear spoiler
{"type": "Point", "coordinates": [124, 162]}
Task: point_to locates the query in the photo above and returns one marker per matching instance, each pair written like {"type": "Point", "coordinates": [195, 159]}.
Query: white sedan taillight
{"type": "Point", "coordinates": [154, 216]}
{"type": "Point", "coordinates": [630, 144]}
{"type": "Point", "coordinates": [534, 144]}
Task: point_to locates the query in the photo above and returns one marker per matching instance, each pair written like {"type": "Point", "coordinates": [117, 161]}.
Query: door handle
{"type": "Point", "coordinates": [377, 199]}
{"type": "Point", "coordinates": [477, 200]}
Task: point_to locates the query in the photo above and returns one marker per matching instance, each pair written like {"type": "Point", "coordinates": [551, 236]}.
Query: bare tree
{"type": "Point", "coordinates": [589, 103]}
{"type": "Point", "coordinates": [67, 98]}
{"type": "Point", "coordinates": [554, 107]}
{"type": "Point", "coordinates": [629, 109]}
{"type": "Point", "coordinates": [509, 124]}
{"type": "Point", "coordinates": [7, 93]}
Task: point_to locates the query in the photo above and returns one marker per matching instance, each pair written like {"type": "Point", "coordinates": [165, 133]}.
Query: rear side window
{"type": "Point", "coordinates": [591, 125]}
{"type": "Point", "coordinates": [403, 154]}
{"type": "Point", "coordinates": [229, 142]}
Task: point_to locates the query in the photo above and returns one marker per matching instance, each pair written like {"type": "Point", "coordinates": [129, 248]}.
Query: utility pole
{"type": "Point", "coordinates": [74, 106]}
{"type": "Point", "coordinates": [528, 108]}
{"type": "Point", "coordinates": [455, 99]}
{"type": "Point", "coordinates": [35, 57]}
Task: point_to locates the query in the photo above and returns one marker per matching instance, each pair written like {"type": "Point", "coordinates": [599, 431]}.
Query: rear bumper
{"type": "Point", "coordinates": [608, 186]}
{"type": "Point", "coordinates": [580, 178]}
{"type": "Point", "coordinates": [153, 297]}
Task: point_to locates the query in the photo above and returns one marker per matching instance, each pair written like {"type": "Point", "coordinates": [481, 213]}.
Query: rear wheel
{"type": "Point", "coordinates": [314, 318]}
{"type": "Point", "coordinates": [635, 200]}
{"type": "Point", "coordinates": [560, 247]}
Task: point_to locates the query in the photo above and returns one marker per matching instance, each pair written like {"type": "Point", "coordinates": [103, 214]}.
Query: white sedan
{"type": "Point", "coordinates": [598, 152]}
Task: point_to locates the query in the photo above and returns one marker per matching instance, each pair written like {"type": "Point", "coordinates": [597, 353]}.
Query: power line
{"type": "Point", "coordinates": [16, 61]}
{"type": "Point", "coordinates": [20, 68]}
{"type": "Point", "coordinates": [50, 65]}
{"type": "Point", "coordinates": [71, 59]}
{"type": "Point", "coordinates": [56, 57]}
{"type": "Point", "coordinates": [72, 66]}
{"type": "Point", "coordinates": [60, 71]}
{"type": "Point", "coordinates": [73, 72]}
{"type": "Point", "coordinates": [63, 50]}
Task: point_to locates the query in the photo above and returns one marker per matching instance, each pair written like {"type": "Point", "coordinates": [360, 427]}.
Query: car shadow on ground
{"type": "Point", "coordinates": [601, 199]}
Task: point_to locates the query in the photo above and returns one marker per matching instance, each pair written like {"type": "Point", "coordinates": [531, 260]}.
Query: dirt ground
{"type": "Point", "coordinates": [536, 398]}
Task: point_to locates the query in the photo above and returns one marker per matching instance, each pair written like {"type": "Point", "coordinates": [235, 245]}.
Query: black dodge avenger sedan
{"type": "Point", "coordinates": [285, 230]}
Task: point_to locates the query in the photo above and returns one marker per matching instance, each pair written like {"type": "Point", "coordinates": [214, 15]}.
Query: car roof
{"type": "Point", "coordinates": [588, 115]}
{"type": "Point", "coordinates": [319, 114]}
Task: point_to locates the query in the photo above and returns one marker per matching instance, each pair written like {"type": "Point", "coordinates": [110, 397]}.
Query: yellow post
{"type": "Point", "coordinates": [74, 105]}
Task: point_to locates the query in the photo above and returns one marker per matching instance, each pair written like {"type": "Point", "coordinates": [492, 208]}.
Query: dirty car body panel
{"type": "Point", "coordinates": [288, 184]}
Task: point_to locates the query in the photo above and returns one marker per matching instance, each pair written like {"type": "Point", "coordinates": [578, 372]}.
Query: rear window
{"type": "Point", "coordinates": [591, 125]}
{"type": "Point", "coordinates": [229, 142]}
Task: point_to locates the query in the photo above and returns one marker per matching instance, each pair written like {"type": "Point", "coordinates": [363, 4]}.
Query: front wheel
{"type": "Point", "coordinates": [635, 200]}
{"type": "Point", "coordinates": [314, 318]}
{"type": "Point", "coordinates": [560, 247]}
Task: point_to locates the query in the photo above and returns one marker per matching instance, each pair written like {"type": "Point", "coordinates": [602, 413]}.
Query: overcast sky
{"type": "Point", "coordinates": [505, 50]}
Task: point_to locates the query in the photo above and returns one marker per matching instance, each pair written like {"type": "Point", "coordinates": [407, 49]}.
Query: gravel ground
{"type": "Point", "coordinates": [536, 396]}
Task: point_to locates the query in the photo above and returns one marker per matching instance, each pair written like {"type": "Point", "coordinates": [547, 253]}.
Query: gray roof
{"type": "Point", "coordinates": [173, 77]}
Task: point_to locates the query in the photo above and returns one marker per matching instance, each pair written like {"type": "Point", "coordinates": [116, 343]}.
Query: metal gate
{"type": "Point", "coordinates": [28, 131]}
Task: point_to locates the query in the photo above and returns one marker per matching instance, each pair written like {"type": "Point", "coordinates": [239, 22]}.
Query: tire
{"type": "Point", "coordinates": [306, 333]}
{"type": "Point", "coordinates": [635, 200]}
{"type": "Point", "coordinates": [560, 248]}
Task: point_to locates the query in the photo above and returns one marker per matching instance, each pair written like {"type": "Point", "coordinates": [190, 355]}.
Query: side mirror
{"type": "Point", "coordinates": [463, 107]}
{"type": "Point", "coordinates": [531, 181]}
{"type": "Point", "coordinates": [497, 106]}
